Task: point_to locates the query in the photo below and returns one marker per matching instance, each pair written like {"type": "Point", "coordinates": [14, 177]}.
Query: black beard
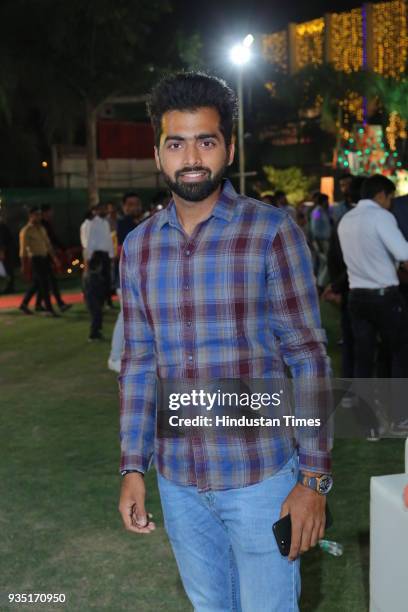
{"type": "Point", "coordinates": [194, 192]}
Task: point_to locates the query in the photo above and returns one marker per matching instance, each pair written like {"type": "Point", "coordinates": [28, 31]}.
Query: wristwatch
{"type": "Point", "coordinates": [124, 472]}
{"type": "Point", "coordinates": [321, 483]}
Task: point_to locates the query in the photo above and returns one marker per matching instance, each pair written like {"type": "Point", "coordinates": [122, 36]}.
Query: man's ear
{"type": "Point", "coordinates": [157, 158]}
{"type": "Point", "coordinates": [231, 153]}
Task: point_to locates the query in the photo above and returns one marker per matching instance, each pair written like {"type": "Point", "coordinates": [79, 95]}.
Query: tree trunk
{"type": "Point", "coordinates": [93, 193]}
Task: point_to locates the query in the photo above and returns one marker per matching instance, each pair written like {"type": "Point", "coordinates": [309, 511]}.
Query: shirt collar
{"type": "Point", "coordinates": [223, 209]}
{"type": "Point", "coordinates": [368, 202]}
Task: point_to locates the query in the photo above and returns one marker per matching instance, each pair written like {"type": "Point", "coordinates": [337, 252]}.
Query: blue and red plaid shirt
{"type": "Point", "coordinates": [236, 299]}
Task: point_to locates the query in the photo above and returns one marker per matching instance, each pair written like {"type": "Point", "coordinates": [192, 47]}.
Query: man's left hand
{"type": "Point", "coordinates": [307, 510]}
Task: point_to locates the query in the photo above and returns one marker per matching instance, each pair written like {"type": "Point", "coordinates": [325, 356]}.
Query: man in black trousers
{"type": "Point", "coordinates": [35, 244]}
{"type": "Point", "coordinates": [46, 220]}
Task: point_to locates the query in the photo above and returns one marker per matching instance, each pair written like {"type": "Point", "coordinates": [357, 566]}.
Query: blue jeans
{"type": "Point", "coordinates": [224, 546]}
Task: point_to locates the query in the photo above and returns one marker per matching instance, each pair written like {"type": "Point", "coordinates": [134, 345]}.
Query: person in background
{"type": "Point", "coordinates": [84, 229]}
{"type": "Point", "coordinates": [35, 245]}
{"type": "Point", "coordinates": [372, 245]}
{"type": "Point", "coordinates": [132, 216]}
{"type": "Point", "coordinates": [345, 187]}
{"type": "Point", "coordinates": [7, 253]}
{"type": "Point", "coordinates": [281, 201]}
{"type": "Point", "coordinates": [100, 241]}
{"type": "Point", "coordinates": [320, 230]}
{"type": "Point", "coordinates": [399, 209]}
{"type": "Point", "coordinates": [269, 198]}
{"type": "Point", "coordinates": [113, 218]}
{"type": "Point", "coordinates": [112, 215]}
{"type": "Point", "coordinates": [47, 223]}
{"type": "Point", "coordinates": [95, 293]}
{"type": "Point", "coordinates": [99, 255]}
{"type": "Point", "coordinates": [338, 288]}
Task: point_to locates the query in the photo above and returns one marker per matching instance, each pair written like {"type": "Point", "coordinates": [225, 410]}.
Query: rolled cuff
{"type": "Point", "coordinates": [315, 461]}
{"type": "Point", "coordinates": [135, 462]}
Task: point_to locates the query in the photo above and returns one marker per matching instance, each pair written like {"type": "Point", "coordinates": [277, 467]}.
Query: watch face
{"type": "Point", "coordinates": [325, 484]}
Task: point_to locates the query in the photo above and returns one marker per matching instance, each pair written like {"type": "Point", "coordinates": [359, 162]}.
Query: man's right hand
{"type": "Point", "coordinates": [132, 504]}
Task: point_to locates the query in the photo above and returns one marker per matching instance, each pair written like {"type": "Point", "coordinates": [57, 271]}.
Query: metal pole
{"type": "Point", "coordinates": [241, 149]}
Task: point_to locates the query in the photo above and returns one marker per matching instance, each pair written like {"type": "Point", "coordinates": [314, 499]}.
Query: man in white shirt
{"type": "Point", "coordinates": [99, 253]}
{"type": "Point", "coordinates": [373, 247]}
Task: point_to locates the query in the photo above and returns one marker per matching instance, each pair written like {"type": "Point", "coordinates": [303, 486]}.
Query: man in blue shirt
{"type": "Point", "coordinates": [219, 286]}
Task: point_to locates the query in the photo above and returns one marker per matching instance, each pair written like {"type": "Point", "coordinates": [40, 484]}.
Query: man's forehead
{"type": "Point", "coordinates": [190, 122]}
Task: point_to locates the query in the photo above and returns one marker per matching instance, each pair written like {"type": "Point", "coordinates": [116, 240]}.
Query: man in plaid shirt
{"type": "Point", "coordinates": [219, 286]}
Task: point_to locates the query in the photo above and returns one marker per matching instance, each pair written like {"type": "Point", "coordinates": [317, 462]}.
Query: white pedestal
{"type": "Point", "coordinates": [389, 543]}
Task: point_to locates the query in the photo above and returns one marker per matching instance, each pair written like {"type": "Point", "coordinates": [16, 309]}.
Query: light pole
{"type": "Point", "coordinates": [240, 55]}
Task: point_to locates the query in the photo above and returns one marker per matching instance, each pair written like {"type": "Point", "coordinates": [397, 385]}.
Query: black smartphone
{"type": "Point", "coordinates": [282, 531]}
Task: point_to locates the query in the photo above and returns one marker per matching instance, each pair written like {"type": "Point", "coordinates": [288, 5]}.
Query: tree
{"type": "Point", "coordinates": [290, 180]}
{"type": "Point", "coordinates": [77, 54]}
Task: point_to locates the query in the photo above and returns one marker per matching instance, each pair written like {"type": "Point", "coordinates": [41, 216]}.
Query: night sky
{"type": "Point", "coordinates": [214, 17]}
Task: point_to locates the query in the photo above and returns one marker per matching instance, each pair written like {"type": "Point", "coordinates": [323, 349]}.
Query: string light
{"type": "Point", "coordinates": [346, 40]}
{"type": "Point", "coordinates": [309, 42]}
{"type": "Point", "coordinates": [275, 50]}
{"type": "Point", "coordinates": [390, 38]}
{"type": "Point", "coordinates": [396, 129]}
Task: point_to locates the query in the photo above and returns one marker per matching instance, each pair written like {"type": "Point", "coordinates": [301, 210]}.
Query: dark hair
{"type": "Point", "coordinates": [130, 194]}
{"type": "Point", "coordinates": [188, 91]}
{"type": "Point", "coordinates": [344, 176]}
{"type": "Point", "coordinates": [321, 198]}
{"type": "Point", "coordinates": [376, 184]}
{"type": "Point", "coordinates": [45, 207]}
{"type": "Point", "coordinates": [279, 194]}
{"type": "Point", "coordinates": [34, 209]}
{"type": "Point", "coordinates": [355, 188]}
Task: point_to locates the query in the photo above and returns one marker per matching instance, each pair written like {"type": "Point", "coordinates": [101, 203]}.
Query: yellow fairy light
{"type": "Point", "coordinates": [346, 40]}
{"type": "Point", "coordinates": [275, 49]}
{"type": "Point", "coordinates": [309, 42]}
{"type": "Point", "coordinates": [390, 38]}
{"type": "Point", "coordinates": [396, 129]}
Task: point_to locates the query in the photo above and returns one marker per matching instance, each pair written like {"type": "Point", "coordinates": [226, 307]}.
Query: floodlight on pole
{"type": "Point", "coordinates": [240, 55]}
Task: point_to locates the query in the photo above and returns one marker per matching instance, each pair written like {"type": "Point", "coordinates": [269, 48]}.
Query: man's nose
{"type": "Point", "coordinates": [192, 155]}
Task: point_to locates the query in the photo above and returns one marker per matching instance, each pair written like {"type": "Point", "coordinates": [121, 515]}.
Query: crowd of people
{"type": "Point", "coordinates": [360, 255]}
{"type": "Point", "coordinates": [101, 234]}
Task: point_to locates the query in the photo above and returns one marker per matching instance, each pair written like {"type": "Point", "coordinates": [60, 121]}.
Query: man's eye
{"type": "Point", "coordinates": [207, 144]}
{"type": "Point", "coordinates": [174, 145]}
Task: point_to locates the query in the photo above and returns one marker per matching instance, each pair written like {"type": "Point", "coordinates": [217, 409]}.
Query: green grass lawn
{"type": "Point", "coordinates": [60, 531]}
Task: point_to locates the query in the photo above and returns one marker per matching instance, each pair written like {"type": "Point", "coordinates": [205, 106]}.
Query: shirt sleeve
{"type": "Point", "coordinates": [137, 380]}
{"type": "Point", "coordinates": [109, 240]}
{"type": "Point", "coordinates": [392, 236]}
{"type": "Point", "coordinates": [22, 243]}
{"type": "Point", "coordinates": [295, 319]}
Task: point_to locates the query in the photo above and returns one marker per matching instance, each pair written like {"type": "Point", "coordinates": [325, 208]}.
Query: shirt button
{"type": "Point", "coordinates": [187, 252]}
{"type": "Point", "coordinates": [186, 286]}
{"type": "Point", "coordinates": [190, 357]}
{"type": "Point", "coordinates": [189, 323]}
